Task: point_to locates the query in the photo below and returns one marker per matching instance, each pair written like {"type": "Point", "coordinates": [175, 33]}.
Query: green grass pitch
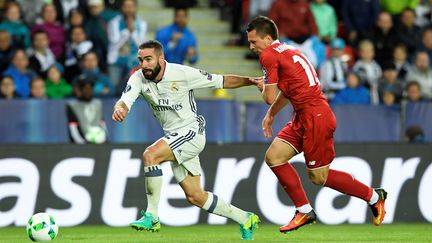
{"type": "Point", "coordinates": [230, 233]}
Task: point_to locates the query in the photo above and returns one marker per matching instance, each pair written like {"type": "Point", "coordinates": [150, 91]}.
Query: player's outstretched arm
{"type": "Point", "coordinates": [120, 111]}
{"type": "Point", "coordinates": [234, 81]}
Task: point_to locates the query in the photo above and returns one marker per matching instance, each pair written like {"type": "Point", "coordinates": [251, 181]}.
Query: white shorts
{"type": "Point", "coordinates": [186, 145]}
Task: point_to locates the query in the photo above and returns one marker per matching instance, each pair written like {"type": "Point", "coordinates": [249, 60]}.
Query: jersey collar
{"type": "Point", "coordinates": [275, 42]}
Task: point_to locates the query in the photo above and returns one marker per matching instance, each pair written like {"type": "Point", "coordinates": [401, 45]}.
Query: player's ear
{"type": "Point", "coordinates": [268, 39]}
{"type": "Point", "coordinates": [161, 58]}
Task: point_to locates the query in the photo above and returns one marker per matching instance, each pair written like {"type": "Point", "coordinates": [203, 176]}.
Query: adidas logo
{"type": "Point", "coordinates": [147, 91]}
{"type": "Point", "coordinates": [312, 162]}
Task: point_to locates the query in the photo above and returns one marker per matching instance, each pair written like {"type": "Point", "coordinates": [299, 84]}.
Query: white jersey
{"type": "Point", "coordinates": [172, 99]}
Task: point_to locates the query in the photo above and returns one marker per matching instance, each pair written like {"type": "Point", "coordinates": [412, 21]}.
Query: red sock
{"type": "Point", "coordinates": [346, 183]}
{"type": "Point", "coordinates": [290, 181]}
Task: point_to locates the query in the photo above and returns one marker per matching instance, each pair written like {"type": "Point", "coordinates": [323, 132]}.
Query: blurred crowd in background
{"type": "Point", "coordinates": [365, 51]}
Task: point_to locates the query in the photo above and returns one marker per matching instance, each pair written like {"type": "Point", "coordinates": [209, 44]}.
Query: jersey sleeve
{"type": "Point", "coordinates": [270, 67]}
{"type": "Point", "coordinates": [198, 79]}
{"type": "Point", "coordinates": [132, 90]}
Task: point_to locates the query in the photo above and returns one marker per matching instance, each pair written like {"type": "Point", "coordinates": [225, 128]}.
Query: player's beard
{"type": "Point", "coordinates": [153, 72]}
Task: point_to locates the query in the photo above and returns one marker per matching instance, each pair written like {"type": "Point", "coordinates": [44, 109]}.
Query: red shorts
{"type": "Point", "coordinates": [311, 131]}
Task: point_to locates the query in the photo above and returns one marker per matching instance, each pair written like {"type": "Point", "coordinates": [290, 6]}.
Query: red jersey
{"type": "Point", "coordinates": [294, 75]}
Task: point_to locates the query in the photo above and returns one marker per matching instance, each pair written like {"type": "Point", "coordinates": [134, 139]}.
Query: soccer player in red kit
{"type": "Point", "coordinates": [310, 130]}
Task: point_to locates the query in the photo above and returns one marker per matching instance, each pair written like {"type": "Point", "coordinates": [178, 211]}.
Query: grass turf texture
{"type": "Point", "coordinates": [230, 233]}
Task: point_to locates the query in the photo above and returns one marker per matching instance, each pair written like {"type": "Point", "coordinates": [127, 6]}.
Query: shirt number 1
{"type": "Point", "coordinates": [310, 72]}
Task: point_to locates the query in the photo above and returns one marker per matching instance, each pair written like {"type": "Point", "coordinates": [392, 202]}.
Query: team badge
{"type": "Point", "coordinates": [127, 89]}
{"type": "Point", "coordinates": [205, 73]}
{"type": "Point", "coordinates": [174, 86]}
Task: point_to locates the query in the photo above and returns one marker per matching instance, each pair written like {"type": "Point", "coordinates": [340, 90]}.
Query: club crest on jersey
{"type": "Point", "coordinates": [127, 89]}
{"type": "Point", "coordinates": [205, 73]}
{"type": "Point", "coordinates": [174, 86]}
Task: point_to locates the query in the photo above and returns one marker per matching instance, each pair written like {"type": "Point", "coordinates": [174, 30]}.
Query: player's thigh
{"type": "Point", "coordinates": [279, 152]}
{"type": "Point", "coordinates": [318, 142]}
{"type": "Point", "coordinates": [158, 152]}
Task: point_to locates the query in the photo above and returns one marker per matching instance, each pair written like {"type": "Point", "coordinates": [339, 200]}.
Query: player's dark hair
{"type": "Point", "coordinates": [263, 26]}
{"type": "Point", "coordinates": [181, 9]}
{"type": "Point", "coordinates": [152, 44]}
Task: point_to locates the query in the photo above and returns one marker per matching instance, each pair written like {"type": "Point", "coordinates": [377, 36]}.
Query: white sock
{"type": "Point", "coordinates": [218, 206]}
{"type": "Point", "coordinates": [374, 198]}
{"type": "Point", "coordinates": [305, 208]}
{"type": "Point", "coordinates": [153, 182]}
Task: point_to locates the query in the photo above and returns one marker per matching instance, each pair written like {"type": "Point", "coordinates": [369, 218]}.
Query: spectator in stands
{"type": "Point", "coordinates": [333, 71]}
{"type": "Point", "coordinates": [103, 86]}
{"type": "Point", "coordinates": [125, 33]}
{"type": "Point", "coordinates": [414, 134]}
{"type": "Point", "coordinates": [7, 88]}
{"type": "Point", "coordinates": [75, 49]}
{"type": "Point", "coordinates": [294, 18]}
{"type": "Point", "coordinates": [178, 40]}
{"type": "Point", "coordinates": [422, 73]}
{"type": "Point", "coordinates": [423, 13]}
{"type": "Point", "coordinates": [96, 28]}
{"type": "Point", "coordinates": [358, 17]}
{"type": "Point", "coordinates": [368, 69]}
{"type": "Point", "coordinates": [64, 8]}
{"type": "Point", "coordinates": [385, 38]}
{"type": "Point", "coordinates": [20, 72]}
{"type": "Point", "coordinates": [297, 27]}
{"type": "Point", "coordinates": [113, 4]}
{"type": "Point", "coordinates": [54, 29]}
{"type": "Point", "coordinates": [395, 8]}
{"type": "Point", "coordinates": [388, 97]}
{"type": "Point", "coordinates": [12, 23]}
{"type": "Point", "coordinates": [426, 43]}
{"type": "Point", "coordinates": [6, 50]}
{"type": "Point", "coordinates": [41, 56]}
{"type": "Point", "coordinates": [31, 8]}
{"type": "Point", "coordinates": [84, 113]}
{"type": "Point", "coordinates": [409, 33]}
{"type": "Point", "coordinates": [76, 18]}
{"type": "Point", "coordinates": [390, 82]}
{"type": "Point", "coordinates": [413, 92]}
{"type": "Point", "coordinates": [354, 93]}
{"type": "Point", "coordinates": [326, 20]}
{"type": "Point", "coordinates": [37, 88]}
{"type": "Point", "coordinates": [56, 85]}
{"type": "Point", "coordinates": [400, 59]}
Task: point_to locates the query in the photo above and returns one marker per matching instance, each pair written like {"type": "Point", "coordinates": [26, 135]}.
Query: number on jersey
{"type": "Point", "coordinates": [307, 66]}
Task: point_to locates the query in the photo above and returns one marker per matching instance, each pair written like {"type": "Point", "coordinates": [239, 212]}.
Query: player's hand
{"type": "Point", "coordinates": [119, 114]}
{"type": "Point", "coordinates": [258, 81]}
{"type": "Point", "coordinates": [267, 125]}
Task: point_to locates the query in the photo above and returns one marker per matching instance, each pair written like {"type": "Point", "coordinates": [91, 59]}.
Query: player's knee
{"type": "Point", "coordinates": [196, 198]}
{"type": "Point", "coordinates": [149, 156]}
{"type": "Point", "coordinates": [318, 180]}
{"type": "Point", "coordinates": [270, 159]}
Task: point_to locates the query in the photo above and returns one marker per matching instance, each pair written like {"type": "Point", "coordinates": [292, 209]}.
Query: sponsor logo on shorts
{"type": "Point", "coordinates": [312, 162]}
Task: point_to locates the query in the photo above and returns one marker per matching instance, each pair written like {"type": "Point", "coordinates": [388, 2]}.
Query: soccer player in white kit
{"type": "Point", "coordinates": [168, 90]}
